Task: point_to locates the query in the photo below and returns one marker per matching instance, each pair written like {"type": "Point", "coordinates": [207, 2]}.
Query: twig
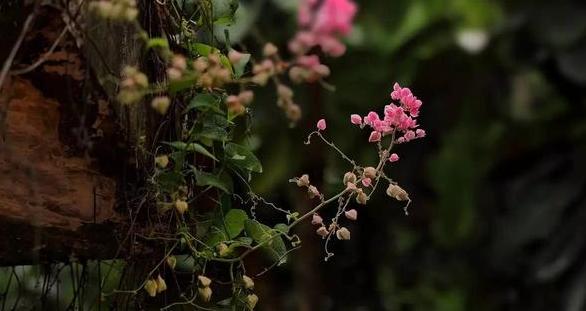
{"type": "Point", "coordinates": [43, 58]}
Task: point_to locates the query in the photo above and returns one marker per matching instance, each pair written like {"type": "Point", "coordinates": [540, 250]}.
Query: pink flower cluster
{"type": "Point", "coordinates": [399, 117]}
{"type": "Point", "coordinates": [322, 24]}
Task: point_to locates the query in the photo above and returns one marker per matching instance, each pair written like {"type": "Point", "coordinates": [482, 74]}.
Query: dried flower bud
{"type": "Point", "coordinates": [247, 282]}
{"type": "Point", "coordinates": [162, 161]}
{"type": "Point", "coordinates": [316, 219]}
{"type": "Point", "coordinates": [261, 78]}
{"type": "Point", "coordinates": [351, 214]}
{"type": "Point", "coordinates": [293, 112]}
{"type": "Point", "coordinates": [284, 91]}
{"type": "Point", "coordinates": [269, 50]}
{"type": "Point", "coordinates": [171, 261]}
{"type": "Point", "coordinates": [349, 177]}
{"type": "Point", "coordinates": [205, 293]}
{"type": "Point", "coordinates": [204, 281]}
{"type": "Point", "coordinates": [161, 285]}
{"type": "Point", "coordinates": [396, 192]}
{"type": "Point", "coordinates": [343, 234]}
{"type": "Point", "coordinates": [361, 197]}
{"type": "Point", "coordinates": [161, 104]}
{"type": "Point", "coordinates": [303, 181]}
{"type": "Point", "coordinates": [297, 74]}
{"type": "Point", "coordinates": [370, 172]}
{"type": "Point", "coordinates": [322, 231]}
{"type": "Point", "coordinates": [312, 192]}
{"type": "Point", "coordinates": [181, 206]}
{"type": "Point", "coordinates": [150, 286]}
{"type": "Point", "coordinates": [251, 301]}
{"type": "Point", "coordinates": [214, 59]}
{"type": "Point", "coordinates": [351, 186]}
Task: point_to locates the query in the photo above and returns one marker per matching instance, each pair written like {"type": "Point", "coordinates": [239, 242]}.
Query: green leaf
{"type": "Point", "coordinates": [215, 237]}
{"type": "Point", "coordinates": [260, 233]}
{"type": "Point", "coordinates": [282, 228]}
{"type": "Point", "coordinates": [234, 222]}
{"type": "Point", "coordinates": [169, 181]}
{"type": "Point", "coordinates": [191, 147]}
{"type": "Point", "coordinates": [186, 83]}
{"type": "Point", "coordinates": [204, 102]}
{"type": "Point", "coordinates": [243, 158]}
{"type": "Point", "coordinates": [206, 179]}
{"type": "Point", "coordinates": [157, 43]}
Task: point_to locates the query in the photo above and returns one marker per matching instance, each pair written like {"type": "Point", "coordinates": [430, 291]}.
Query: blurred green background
{"type": "Point", "coordinates": [498, 219]}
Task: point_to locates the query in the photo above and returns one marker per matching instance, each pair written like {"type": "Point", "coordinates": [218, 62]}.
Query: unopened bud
{"type": "Point", "coordinates": [361, 197]}
{"type": "Point", "coordinates": [223, 249]}
{"type": "Point", "coordinates": [317, 220]}
{"type": "Point", "coordinates": [247, 282]}
{"type": "Point", "coordinates": [269, 50]}
{"type": "Point", "coordinates": [349, 177]}
{"type": "Point", "coordinates": [181, 206]}
{"type": "Point", "coordinates": [171, 261]}
{"type": "Point", "coordinates": [293, 112]}
{"type": "Point", "coordinates": [205, 293]}
{"type": "Point", "coordinates": [204, 281]}
{"type": "Point", "coordinates": [174, 74]}
{"type": "Point", "coordinates": [394, 191]}
{"type": "Point", "coordinates": [303, 181]}
{"type": "Point", "coordinates": [200, 64]}
{"type": "Point", "coordinates": [343, 234]}
{"type": "Point", "coordinates": [161, 104]}
{"type": "Point", "coordinates": [312, 192]}
{"type": "Point", "coordinates": [322, 231]}
{"type": "Point", "coordinates": [162, 161]}
{"type": "Point", "coordinates": [351, 214]}
{"type": "Point", "coordinates": [284, 91]}
{"type": "Point", "coordinates": [161, 285]}
{"type": "Point", "coordinates": [150, 286]}
{"type": "Point", "coordinates": [251, 301]}
{"type": "Point", "coordinates": [235, 56]}
{"type": "Point", "coordinates": [246, 97]}
{"type": "Point", "coordinates": [351, 186]}
{"type": "Point", "coordinates": [370, 172]}
{"type": "Point", "coordinates": [179, 62]}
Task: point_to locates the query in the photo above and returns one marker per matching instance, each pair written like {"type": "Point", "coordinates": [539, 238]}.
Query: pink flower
{"type": "Point", "coordinates": [371, 118]}
{"type": "Point", "coordinates": [366, 182]}
{"type": "Point", "coordinates": [374, 137]}
{"type": "Point", "coordinates": [321, 124]}
{"type": "Point", "coordinates": [420, 133]}
{"type": "Point", "coordinates": [351, 214]}
{"type": "Point", "coordinates": [356, 119]}
{"type": "Point", "coordinates": [409, 135]}
{"type": "Point", "coordinates": [316, 220]}
{"type": "Point", "coordinates": [335, 16]}
{"type": "Point", "coordinates": [394, 157]}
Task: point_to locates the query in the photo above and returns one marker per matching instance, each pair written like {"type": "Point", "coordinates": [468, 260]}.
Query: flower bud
{"type": "Point", "coordinates": [396, 192]}
{"type": "Point", "coordinates": [351, 186]}
{"type": "Point", "coordinates": [356, 119]}
{"type": "Point", "coordinates": [246, 97]}
{"type": "Point", "coordinates": [366, 182]}
{"type": "Point", "coordinates": [321, 125]}
{"type": "Point", "coordinates": [269, 50]}
{"type": "Point", "coordinates": [247, 282]}
{"type": "Point", "coordinates": [171, 261]}
{"type": "Point", "coordinates": [223, 249]}
{"type": "Point", "coordinates": [181, 206]}
{"type": "Point", "coordinates": [351, 214]}
{"type": "Point", "coordinates": [200, 64]}
{"type": "Point", "coordinates": [322, 231]}
{"type": "Point", "coordinates": [361, 197]}
{"type": "Point", "coordinates": [316, 219]}
{"type": "Point", "coordinates": [150, 286]}
{"type": "Point", "coordinates": [349, 177]}
{"type": "Point", "coordinates": [161, 104]}
{"type": "Point", "coordinates": [205, 293]}
{"type": "Point", "coordinates": [161, 285]}
{"type": "Point", "coordinates": [394, 157]}
{"type": "Point", "coordinates": [284, 91]}
{"type": "Point", "coordinates": [179, 62]}
{"type": "Point", "coordinates": [204, 281]}
{"type": "Point", "coordinates": [370, 172]}
{"type": "Point", "coordinates": [251, 301]}
{"type": "Point", "coordinates": [312, 192]}
{"type": "Point", "coordinates": [343, 234]}
{"type": "Point", "coordinates": [410, 135]}
{"type": "Point", "coordinates": [235, 56]}
{"type": "Point", "coordinates": [420, 133]}
{"type": "Point", "coordinates": [162, 161]}
{"type": "Point", "coordinates": [174, 74]}
{"type": "Point", "coordinates": [293, 112]}
{"type": "Point", "coordinates": [303, 181]}
{"type": "Point", "coordinates": [374, 136]}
